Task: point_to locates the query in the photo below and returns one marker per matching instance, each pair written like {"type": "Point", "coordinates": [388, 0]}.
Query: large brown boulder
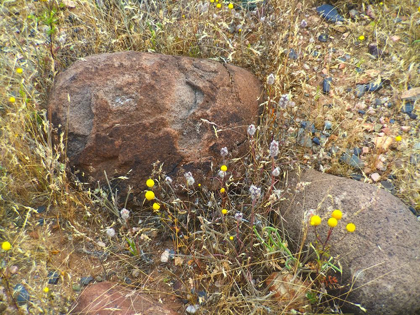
{"type": "Point", "coordinates": [124, 111]}
{"type": "Point", "coordinates": [380, 260]}
{"type": "Point", "coordinates": [107, 298]}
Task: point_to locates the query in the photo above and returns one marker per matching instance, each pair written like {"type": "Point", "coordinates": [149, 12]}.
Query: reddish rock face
{"type": "Point", "coordinates": [124, 111]}
{"type": "Point", "coordinates": [107, 298]}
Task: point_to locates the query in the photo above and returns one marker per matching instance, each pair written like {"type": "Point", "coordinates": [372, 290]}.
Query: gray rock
{"type": "Point", "coordinates": [360, 90]}
{"type": "Point", "coordinates": [352, 160]}
{"type": "Point", "coordinates": [380, 260]}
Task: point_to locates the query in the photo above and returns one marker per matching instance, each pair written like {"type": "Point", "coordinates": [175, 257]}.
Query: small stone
{"type": "Point", "coordinates": [352, 160]}
{"type": "Point", "coordinates": [361, 112]}
{"type": "Point", "coordinates": [13, 269]}
{"type": "Point", "coordinates": [373, 87]}
{"type": "Point", "coordinates": [326, 85]}
{"type": "Point", "coordinates": [342, 66]}
{"type": "Point", "coordinates": [356, 177]}
{"type": "Point", "coordinates": [371, 12]}
{"type": "Point", "coordinates": [53, 277]}
{"type": "Point", "coordinates": [329, 13]}
{"type": "Point", "coordinates": [76, 287]}
{"type": "Point", "coordinates": [292, 54]}
{"type": "Point", "coordinates": [411, 94]}
{"type": "Point", "coordinates": [395, 38]}
{"type": "Point", "coordinates": [323, 38]}
{"type": "Point", "coordinates": [375, 177]}
{"type": "Point", "coordinates": [316, 53]}
{"type": "Point", "coordinates": [412, 210]}
{"type": "Point", "coordinates": [388, 186]}
{"type": "Point", "coordinates": [353, 13]}
{"type": "Point", "coordinates": [360, 90]}
{"type": "Point", "coordinates": [135, 273]}
{"type": "Point", "coordinates": [327, 125]}
{"type": "Point", "coordinates": [86, 280]}
{"type": "Point", "coordinates": [192, 309]}
{"type": "Point", "coordinates": [382, 142]}
{"type": "Point", "coordinates": [316, 141]}
{"type": "Point", "coordinates": [127, 280]}
{"type": "Point", "coordinates": [306, 67]}
{"type": "Point", "coordinates": [412, 116]}
{"type": "Point", "coordinates": [407, 108]}
{"type": "Point", "coordinates": [99, 279]}
{"type": "Point", "coordinates": [365, 150]}
{"type": "Point", "coordinates": [303, 138]}
{"type": "Point", "coordinates": [23, 296]}
{"type": "Point", "coordinates": [357, 151]}
{"type": "Point", "coordinates": [374, 50]}
{"type": "Point", "coordinates": [41, 209]}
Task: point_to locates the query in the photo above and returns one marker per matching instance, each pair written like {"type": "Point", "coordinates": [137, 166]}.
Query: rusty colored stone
{"type": "Point", "coordinates": [124, 111]}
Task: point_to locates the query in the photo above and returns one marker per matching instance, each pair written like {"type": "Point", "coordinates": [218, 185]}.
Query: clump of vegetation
{"type": "Point", "coordinates": [226, 242]}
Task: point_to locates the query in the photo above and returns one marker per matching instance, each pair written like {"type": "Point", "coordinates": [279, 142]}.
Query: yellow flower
{"type": "Point", "coordinates": [315, 220]}
{"type": "Point", "coordinates": [150, 195]}
{"type": "Point", "coordinates": [224, 211]}
{"type": "Point", "coordinates": [398, 138]}
{"type": "Point", "coordinates": [6, 246]}
{"type": "Point", "coordinates": [222, 190]}
{"type": "Point", "coordinates": [199, 185]}
{"type": "Point", "coordinates": [219, 5]}
{"type": "Point", "coordinates": [240, 30]}
{"type": "Point", "coordinates": [211, 1]}
{"type": "Point", "coordinates": [12, 99]}
{"type": "Point", "coordinates": [332, 222]}
{"type": "Point", "coordinates": [230, 6]}
{"type": "Point", "coordinates": [381, 3]}
{"type": "Point", "coordinates": [231, 238]}
{"type": "Point", "coordinates": [223, 168]}
{"type": "Point", "coordinates": [361, 38]}
{"type": "Point", "coordinates": [150, 183]}
{"type": "Point", "coordinates": [46, 290]}
{"type": "Point", "coordinates": [19, 70]}
{"type": "Point", "coordinates": [156, 206]}
{"type": "Point", "coordinates": [337, 214]}
{"type": "Point", "coordinates": [351, 227]}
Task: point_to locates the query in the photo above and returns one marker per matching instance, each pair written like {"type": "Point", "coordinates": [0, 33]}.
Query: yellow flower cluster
{"type": "Point", "coordinates": [333, 221]}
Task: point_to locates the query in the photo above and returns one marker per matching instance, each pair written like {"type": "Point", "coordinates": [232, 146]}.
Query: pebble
{"type": "Point", "coordinates": [412, 210]}
{"type": "Point", "coordinates": [329, 13]}
{"type": "Point", "coordinates": [316, 141]}
{"type": "Point", "coordinates": [303, 139]}
{"type": "Point", "coordinates": [416, 146]}
{"type": "Point", "coordinates": [388, 186]}
{"type": "Point", "coordinates": [374, 50]}
{"type": "Point", "coordinates": [306, 67]}
{"type": "Point", "coordinates": [352, 160]}
{"type": "Point", "coordinates": [360, 90]}
{"type": "Point", "coordinates": [76, 287]}
{"type": "Point", "coordinates": [292, 54]}
{"type": "Point", "coordinates": [41, 209]}
{"type": "Point", "coordinates": [353, 13]}
{"type": "Point", "coordinates": [407, 108]}
{"type": "Point", "coordinates": [375, 177]}
{"type": "Point", "coordinates": [357, 151]}
{"type": "Point", "coordinates": [23, 294]}
{"type": "Point", "coordinates": [323, 38]}
{"type": "Point", "coordinates": [192, 309]}
{"type": "Point", "coordinates": [405, 128]}
{"type": "Point", "coordinates": [356, 176]}
{"type": "Point", "coordinates": [373, 87]}
{"type": "Point", "coordinates": [327, 125]}
{"type": "Point", "coordinates": [86, 280]}
{"type": "Point", "coordinates": [53, 277]}
{"type": "Point", "coordinates": [326, 85]}
{"type": "Point", "coordinates": [362, 112]}
{"type": "Point", "coordinates": [99, 279]}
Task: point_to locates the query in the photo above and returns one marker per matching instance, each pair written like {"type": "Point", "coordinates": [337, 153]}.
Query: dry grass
{"type": "Point", "coordinates": [45, 37]}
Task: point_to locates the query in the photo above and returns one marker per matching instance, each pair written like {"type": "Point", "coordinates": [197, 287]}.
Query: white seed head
{"type": "Point", "coordinates": [168, 180]}
{"type": "Point", "coordinates": [190, 179]}
{"type": "Point", "coordinates": [110, 232]}
{"type": "Point", "coordinates": [255, 192]}
{"type": "Point", "coordinates": [303, 23]}
{"type": "Point", "coordinates": [239, 216]}
{"type": "Point", "coordinates": [276, 172]}
{"type": "Point", "coordinates": [274, 148]}
{"type": "Point", "coordinates": [251, 130]}
{"type": "Point", "coordinates": [222, 174]}
{"type": "Point", "coordinates": [125, 214]}
{"type": "Point", "coordinates": [224, 151]}
{"type": "Point", "coordinates": [271, 79]}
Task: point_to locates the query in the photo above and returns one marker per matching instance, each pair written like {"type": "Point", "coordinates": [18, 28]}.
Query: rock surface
{"type": "Point", "coordinates": [380, 259]}
{"type": "Point", "coordinates": [108, 298]}
{"type": "Point", "coordinates": [124, 111]}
